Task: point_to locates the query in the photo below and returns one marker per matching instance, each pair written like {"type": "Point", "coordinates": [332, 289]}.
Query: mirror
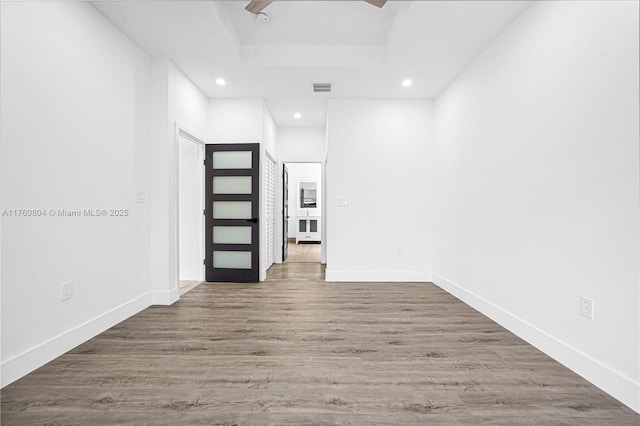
{"type": "Point", "coordinates": [308, 195]}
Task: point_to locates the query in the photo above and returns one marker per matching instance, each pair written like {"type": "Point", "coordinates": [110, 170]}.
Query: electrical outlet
{"type": "Point", "coordinates": [586, 307]}
{"type": "Point", "coordinates": [399, 252]}
{"type": "Point", "coordinates": [67, 291]}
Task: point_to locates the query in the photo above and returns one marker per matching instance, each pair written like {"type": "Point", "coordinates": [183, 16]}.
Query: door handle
{"type": "Point", "coordinates": [253, 220]}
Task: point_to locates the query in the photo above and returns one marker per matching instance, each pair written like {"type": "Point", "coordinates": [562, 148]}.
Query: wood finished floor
{"type": "Point", "coordinates": [303, 252]}
{"type": "Point", "coordinates": [297, 351]}
{"type": "Point", "coordinates": [187, 285]}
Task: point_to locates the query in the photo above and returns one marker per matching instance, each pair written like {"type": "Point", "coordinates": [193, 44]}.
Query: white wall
{"type": "Point", "coordinates": [190, 207]}
{"type": "Point", "coordinates": [188, 106]}
{"type": "Point", "coordinates": [269, 132]}
{"type": "Point", "coordinates": [246, 120]}
{"type": "Point", "coordinates": [188, 110]}
{"type": "Point", "coordinates": [235, 120]}
{"type": "Point", "coordinates": [379, 158]}
{"type": "Point", "coordinates": [302, 172]}
{"type": "Point", "coordinates": [89, 121]}
{"type": "Point", "coordinates": [176, 102]}
{"type": "Point", "coordinates": [298, 144]}
{"type": "Point", "coordinates": [159, 193]}
{"type": "Point", "coordinates": [302, 144]}
{"type": "Point", "coordinates": [537, 186]}
{"type": "Point", "coordinates": [74, 136]}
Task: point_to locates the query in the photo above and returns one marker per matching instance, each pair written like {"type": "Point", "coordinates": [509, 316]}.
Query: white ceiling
{"type": "Point", "coordinates": [365, 52]}
{"type": "Point", "coordinates": [314, 22]}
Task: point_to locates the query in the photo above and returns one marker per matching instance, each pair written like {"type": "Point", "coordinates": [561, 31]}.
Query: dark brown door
{"type": "Point", "coordinates": [232, 208]}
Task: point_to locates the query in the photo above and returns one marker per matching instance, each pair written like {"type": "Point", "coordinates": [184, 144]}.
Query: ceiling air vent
{"type": "Point", "coordinates": [321, 87]}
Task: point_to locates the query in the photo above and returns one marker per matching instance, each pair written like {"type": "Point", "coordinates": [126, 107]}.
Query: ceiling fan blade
{"type": "Point", "coordinates": [377, 3]}
{"type": "Point", "coordinates": [257, 6]}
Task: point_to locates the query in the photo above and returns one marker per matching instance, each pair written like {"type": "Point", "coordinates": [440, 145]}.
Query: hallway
{"type": "Point", "coordinates": [297, 350]}
{"type": "Point", "coordinates": [303, 252]}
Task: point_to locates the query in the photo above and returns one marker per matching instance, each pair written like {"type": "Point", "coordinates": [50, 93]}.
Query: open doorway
{"type": "Point", "coordinates": [190, 152]}
{"type": "Point", "coordinates": [302, 213]}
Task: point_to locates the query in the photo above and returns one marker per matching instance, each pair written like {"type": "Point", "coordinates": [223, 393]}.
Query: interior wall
{"type": "Point", "coordinates": [379, 161]}
{"type": "Point", "coordinates": [190, 205]}
{"type": "Point", "coordinates": [298, 144]}
{"type": "Point", "coordinates": [75, 123]}
{"type": "Point", "coordinates": [302, 144]}
{"type": "Point", "coordinates": [537, 186]}
{"type": "Point", "coordinates": [302, 172]}
{"type": "Point", "coordinates": [246, 120]}
{"type": "Point", "coordinates": [176, 102]}
{"type": "Point", "coordinates": [269, 132]}
{"type": "Point", "coordinates": [235, 120]}
{"type": "Point", "coordinates": [188, 106]}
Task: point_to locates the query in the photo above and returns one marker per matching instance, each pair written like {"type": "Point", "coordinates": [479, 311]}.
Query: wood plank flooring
{"type": "Point", "coordinates": [187, 285]}
{"type": "Point", "coordinates": [303, 252]}
{"type": "Point", "coordinates": [295, 350]}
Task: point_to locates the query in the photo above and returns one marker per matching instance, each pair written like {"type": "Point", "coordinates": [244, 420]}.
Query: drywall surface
{"type": "Point", "coordinates": [302, 144]}
{"type": "Point", "coordinates": [190, 207]}
{"type": "Point", "coordinates": [297, 144]}
{"type": "Point", "coordinates": [379, 190]}
{"type": "Point", "coordinates": [188, 106]}
{"type": "Point", "coordinates": [537, 186]}
{"type": "Point", "coordinates": [176, 103]}
{"type": "Point", "coordinates": [235, 120]}
{"type": "Point", "coordinates": [247, 121]}
{"type": "Point", "coordinates": [74, 136]}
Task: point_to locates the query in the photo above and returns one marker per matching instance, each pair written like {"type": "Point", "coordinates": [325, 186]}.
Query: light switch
{"type": "Point", "coordinates": [140, 198]}
{"type": "Point", "coordinates": [342, 201]}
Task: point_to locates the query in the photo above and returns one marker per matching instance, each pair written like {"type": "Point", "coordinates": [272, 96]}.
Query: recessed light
{"type": "Point", "coordinates": [220, 81]}
{"type": "Point", "coordinates": [297, 115]}
{"type": "Point", "coordinates": [407, 83]}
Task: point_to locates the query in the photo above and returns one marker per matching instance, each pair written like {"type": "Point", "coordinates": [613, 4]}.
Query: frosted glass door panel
{"type": "Point", "coordinates": [232, 185]}
{"type": "Point", "coordinates": [232, 259]}
{"type": "Point", "coordinates": [302, 225]}
{"type": "Point", "coordinates": [232, 210]}
{"type": "Point", "coordinates": [232, 160]}
{"type": "Point", "coordinates": [313, 225]}
{"type": "Point", "coordinates": [232, 235]}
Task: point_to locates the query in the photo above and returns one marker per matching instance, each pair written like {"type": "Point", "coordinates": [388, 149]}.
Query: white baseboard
{"type": "Point", "coordinates": [165, 297]}
{"type": "Point", "coordinates": [29, 360]}
{"type": "Point", "coordinates": [377, 276]}
{"type": "Point", "coordinates": [616, 384]}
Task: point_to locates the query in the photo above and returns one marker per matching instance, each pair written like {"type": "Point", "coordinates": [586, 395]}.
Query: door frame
{"type": "Point", "coordinates": [180, 130]}
{"type": "Point", "coordinates": [285, 214]}
{"type": "Point", "coordinates": [323, 208]}
{"type": "Point", "coordinates": [213, 274]}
